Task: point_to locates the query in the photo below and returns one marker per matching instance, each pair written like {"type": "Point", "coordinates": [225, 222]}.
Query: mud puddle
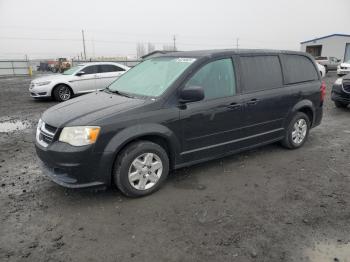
{"type": "Point", "coordinates": [329, 251]}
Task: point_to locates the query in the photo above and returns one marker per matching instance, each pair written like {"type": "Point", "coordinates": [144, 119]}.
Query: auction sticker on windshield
{"type": "Point", "coordinates": [185, 60]}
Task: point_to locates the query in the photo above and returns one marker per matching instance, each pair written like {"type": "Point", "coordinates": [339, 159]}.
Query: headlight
{"type": "Point", "coordinates": [42, 83]}
{"type": "Point", "coordinates": [339, 81]}
{"type": "Point", "coordinates": [79, 135]}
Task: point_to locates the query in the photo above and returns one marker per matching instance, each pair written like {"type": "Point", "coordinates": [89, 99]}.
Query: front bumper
{"type": "Point", "coordinates": [339, 95]}
{"type": "Point", "coordinates": [75, 167]}
{"type": "Point", "coordinates": [40, 91]}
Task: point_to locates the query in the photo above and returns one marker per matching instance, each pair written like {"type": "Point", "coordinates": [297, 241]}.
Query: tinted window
{"type": "Point", "coordinates": [217, 78]}
{"type": "Point", "coordinates": [109, 68]}
{"type": "Point", "coordinates": [299, 69]}
{"type": "Point", "coordinates": [261, 73]}
{"type": "Point", "coordinates": [90, 70]}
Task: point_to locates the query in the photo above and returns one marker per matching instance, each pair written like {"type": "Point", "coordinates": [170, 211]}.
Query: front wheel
{"type": "Point", "coordinates": [62, 93]}
{"type": "Point", "coordinates": [297, 131]}
{"type": "Point", "coordinates": [141, 168]}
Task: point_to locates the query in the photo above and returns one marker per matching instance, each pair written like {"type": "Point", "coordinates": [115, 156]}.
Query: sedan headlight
{"type": "Point", "coordinates": [80, 135]}
{"type": "Point", "coordinates": [42, 83]}
{"type": "Point", "coordinates": [339, 81]}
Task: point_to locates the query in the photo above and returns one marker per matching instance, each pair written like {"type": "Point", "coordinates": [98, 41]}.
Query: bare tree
{"type": "Point", "coordinates": [140, 50]}
{"type": "Point", "coordinates": [150, 47]}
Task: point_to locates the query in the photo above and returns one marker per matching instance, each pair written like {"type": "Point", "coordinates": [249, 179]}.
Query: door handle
{"type": "Point", "coordinates": [234, 106]}
{"type": "Point", "coordinates": [253, 101]}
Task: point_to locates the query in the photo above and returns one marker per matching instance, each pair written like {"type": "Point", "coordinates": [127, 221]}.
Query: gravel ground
{"type": "Point", "coordinates": [268, 204]}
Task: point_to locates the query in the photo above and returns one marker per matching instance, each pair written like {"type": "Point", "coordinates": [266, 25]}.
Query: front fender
{"type": "Point", "coordinates": [134, 132]}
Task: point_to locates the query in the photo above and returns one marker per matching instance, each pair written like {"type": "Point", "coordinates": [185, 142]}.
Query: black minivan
{"type": "Point", "coordinates": [177, 110]}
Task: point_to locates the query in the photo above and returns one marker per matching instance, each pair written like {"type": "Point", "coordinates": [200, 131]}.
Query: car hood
{"type": "Point", "coordinates": [50, 78]}
{"type": "Point", "coordinates": [86, 109]}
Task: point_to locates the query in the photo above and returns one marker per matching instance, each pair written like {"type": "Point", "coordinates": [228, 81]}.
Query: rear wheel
{"type": "Point", "coordinates": [326, 69]}
{"type": "Point", "coordinates": [62, 93]}
{"type": "Point", "coordinates": [297, 131]}
{"type": "Point", "coordinates": [340, 104]}
{"type": "Point", "coordinates": [141, 168]}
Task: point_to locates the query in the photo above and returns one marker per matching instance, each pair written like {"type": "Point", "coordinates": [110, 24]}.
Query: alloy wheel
{"type": "Point", "coordinates": [299, 131]}
{"type": "Point", "coordinates": [145, 171]}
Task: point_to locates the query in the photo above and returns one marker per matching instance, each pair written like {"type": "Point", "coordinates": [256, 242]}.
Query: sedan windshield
{"type": "Point", "coordinates": [72, 70]}
{"type": "Point", "coordinates": [151, 77]}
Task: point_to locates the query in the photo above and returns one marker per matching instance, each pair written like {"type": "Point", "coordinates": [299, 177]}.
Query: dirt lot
{"type": "Point", "coordinates": [269, 204]}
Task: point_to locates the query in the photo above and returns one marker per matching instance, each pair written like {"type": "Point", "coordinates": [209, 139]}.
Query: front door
{"type": "Point", "coordinates": [85, 82]}
{"type": "Point", "coordinates": [212, 126]}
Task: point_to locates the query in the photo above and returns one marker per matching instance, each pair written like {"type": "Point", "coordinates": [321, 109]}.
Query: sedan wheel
{"type": "Point", "coordinates": [62, 93]}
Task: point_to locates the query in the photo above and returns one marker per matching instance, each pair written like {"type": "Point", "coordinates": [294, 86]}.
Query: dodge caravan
{"type": "Point", "coordinates": [177, 110]}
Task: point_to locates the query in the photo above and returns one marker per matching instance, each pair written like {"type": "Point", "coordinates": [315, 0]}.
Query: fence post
{"type": "Point", "coordinates": [13, 68]}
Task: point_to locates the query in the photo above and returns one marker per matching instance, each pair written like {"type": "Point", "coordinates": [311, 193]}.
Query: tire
{"type": "Point", "coordinates": [340, 75]}
{"type": "Point", "coordinates": [326, 69]}
{"type": "Point", "coordinates": [291, 141]}
{"type": "Point", "coordinates": [62, 93]}
{"type": "Point", "coordinates": [131, 174]}
{"type": "Point", "coordinates": [340, 104]}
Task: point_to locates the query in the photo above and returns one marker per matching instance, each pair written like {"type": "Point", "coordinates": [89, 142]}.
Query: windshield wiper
{"type": "Point", "coordinates": [119, 93]}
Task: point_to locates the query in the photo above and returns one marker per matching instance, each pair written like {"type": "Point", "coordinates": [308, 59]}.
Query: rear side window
{"type": "Point", "coordinates": [109, 68]}
{"type": "Point", "coordinates": [298, 69]}
{"type": "Point", "coordinates": [261, 73]}
{"type": "Point", "coordinates": [217, 79]}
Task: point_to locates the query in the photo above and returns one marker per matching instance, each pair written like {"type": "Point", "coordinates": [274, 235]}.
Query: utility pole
{"type": "Point", "coordinates": [93, 48]}
{"type": "Point", "coordinates": [237, 45]}
{"type": "Point", "coordinates": [82, 31]}
{"type": "Point", "coordinates": [174, 39]}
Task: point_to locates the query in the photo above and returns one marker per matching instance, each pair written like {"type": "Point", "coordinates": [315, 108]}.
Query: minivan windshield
{"type": "Point", "coordinates": [72, 70]}
{"type": "Point", "coordinates": [151, 77]}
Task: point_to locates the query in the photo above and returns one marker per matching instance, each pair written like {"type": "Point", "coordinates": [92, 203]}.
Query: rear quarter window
{"type": "Point", "coordinates": [298, 69]}
{"type": "Point", "coordinates": [261, 72]}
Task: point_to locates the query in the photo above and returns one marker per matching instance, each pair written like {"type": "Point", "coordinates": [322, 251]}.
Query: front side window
{"type": "Point", "coordinates": [151, 77]}
{"type": "Point", "coordinates": [217, 79]}
{"type": "Point", "coordinates": [90, 70]}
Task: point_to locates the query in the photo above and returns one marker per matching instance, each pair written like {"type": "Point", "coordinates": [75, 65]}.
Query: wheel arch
{"type": "Point", "coordinates": [155, 133]}
{"type": "Point", "coordinates": [306, 107]}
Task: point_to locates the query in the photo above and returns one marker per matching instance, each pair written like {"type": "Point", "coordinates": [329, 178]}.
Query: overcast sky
{"type": "Point", "coordinates": [46, 28]}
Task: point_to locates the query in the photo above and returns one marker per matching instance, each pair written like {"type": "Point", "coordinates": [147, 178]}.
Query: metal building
{"type": "Point", "coordinates": [335, 45]}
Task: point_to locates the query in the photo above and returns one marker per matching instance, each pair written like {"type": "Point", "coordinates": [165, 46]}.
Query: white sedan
{"type": "Point", "coordinates": [83, 78]}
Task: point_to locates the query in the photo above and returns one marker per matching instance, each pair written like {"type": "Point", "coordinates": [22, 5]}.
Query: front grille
{"type": "Point", "coordinates": [346, 87]}
{"type": "Point", "coordinates": [51, 129]}
{"type": "Point", "coordinates": [46, 134]}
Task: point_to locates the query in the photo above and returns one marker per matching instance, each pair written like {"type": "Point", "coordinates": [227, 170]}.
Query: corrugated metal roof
{"type": "Point", "coordinates": [327, 36]}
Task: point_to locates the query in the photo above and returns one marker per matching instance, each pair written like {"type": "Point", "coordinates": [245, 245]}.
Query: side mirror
{"type": "Point", "coordinates": [191, 94]}
{"type": "Point", "coordinates": [80, 73]}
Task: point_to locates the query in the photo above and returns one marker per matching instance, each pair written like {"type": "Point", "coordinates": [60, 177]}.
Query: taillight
{"type": "Point", "coordinates": [323, 91]}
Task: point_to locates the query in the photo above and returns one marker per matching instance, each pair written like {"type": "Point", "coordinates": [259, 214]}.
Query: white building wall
{"type": "Point", "coordinates": [331, 46]}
